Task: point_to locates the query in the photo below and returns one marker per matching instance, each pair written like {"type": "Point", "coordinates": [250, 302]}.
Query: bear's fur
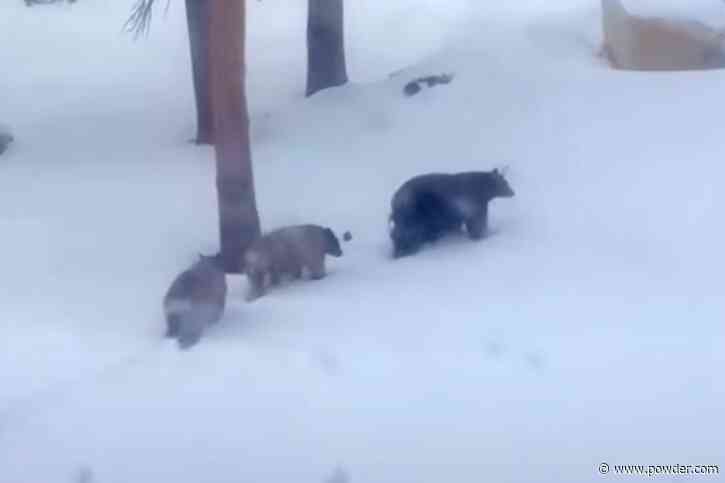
{"type": "Point", "coordinates": [429, 206]}
{"type": "Point", "coordinates": [287, 252]}
{"type": "Point", "coordinates": [196, 299]}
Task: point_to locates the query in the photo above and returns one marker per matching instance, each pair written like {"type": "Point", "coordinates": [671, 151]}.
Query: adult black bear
{"type": "Point", "coordinates": [429, 206]}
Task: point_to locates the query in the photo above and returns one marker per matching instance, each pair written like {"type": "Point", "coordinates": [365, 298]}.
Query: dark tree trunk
{"type": "Point", "coordinates": [197, 17]}
{"type": "Point", "coordinates": [325, 45]}
{"type": "Point", "coordinates": [238, 218]}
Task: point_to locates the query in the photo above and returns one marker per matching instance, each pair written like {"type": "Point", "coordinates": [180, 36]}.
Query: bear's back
{"type": "Point", "coordinates": [303, 241]}
{"type": "Point", "coordinates": [203, 283]}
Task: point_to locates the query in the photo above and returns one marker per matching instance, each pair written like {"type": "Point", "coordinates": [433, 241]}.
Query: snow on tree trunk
{"type": "Point", "coordinates": [325, 45]}
{"type": "Point", "coordinates": [238, 218]}
{"type": "Point", "coordinates": [197, 17]}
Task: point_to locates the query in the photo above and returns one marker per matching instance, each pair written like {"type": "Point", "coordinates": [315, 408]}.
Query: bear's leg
{"type": "Point", "coordinates": [256, 284]}
{"type": "Point", "coordinates": [317, 268]}
{"type": "Point", "coordinates": [433, 233]}
{"type": "Point", "coordinates": [476, 225]}
{"type": "Point", "coordinates": [217, 311]}
{"type": "Point", "coordinates": [188, 339]}
{"type": "Point", "coordinates": [190, 329]}
{"type": "Point", "coordinates": [274, 276]}
{"type": "Point", "coordinates": [172, 325]}
{"type": "Point", "coordinates": [295, 271]}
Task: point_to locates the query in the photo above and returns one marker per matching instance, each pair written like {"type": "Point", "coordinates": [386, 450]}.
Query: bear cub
{"type": "Point", "coordinates": [288, 252]}
{"type": "Point", "coordinates": [430, 206]}
{"type": "Point", "coordinates": [195, 300]}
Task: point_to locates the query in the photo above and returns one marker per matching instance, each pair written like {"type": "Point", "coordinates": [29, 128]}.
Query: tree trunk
{"type": "Point", "coordinates": [325, 45]}
{"type": "Point", "coordinates": [238, 218]}
{"type": "Point", "coordinates": [197, 18]}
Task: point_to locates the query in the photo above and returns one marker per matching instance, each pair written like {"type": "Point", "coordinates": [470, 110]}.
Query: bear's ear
{"type": "Point", "coordinates": [215, 259]}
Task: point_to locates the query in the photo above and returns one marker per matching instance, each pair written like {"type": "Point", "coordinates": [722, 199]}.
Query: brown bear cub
{"type": "Point", "coordinates": [429, 206]}
{"type": "Point", "coordinates": [288, 252]}
{"type": "Point", "coordinates": [195, 300]}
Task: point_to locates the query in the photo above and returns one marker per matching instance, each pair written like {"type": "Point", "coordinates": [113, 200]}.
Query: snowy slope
{"type": "Point", "coordinates": [587, 329]}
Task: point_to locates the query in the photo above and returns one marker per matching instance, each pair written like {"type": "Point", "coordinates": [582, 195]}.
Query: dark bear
{"type": "Point", "coordinates": [195, 300]}
{"type": "Point", "coordinates": [288, 251]}
{"type": "Point", "coordinates": [430, 206]}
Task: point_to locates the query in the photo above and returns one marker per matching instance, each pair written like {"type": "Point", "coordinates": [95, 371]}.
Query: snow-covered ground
{"type": "Point", "coordinates": [588, 328]}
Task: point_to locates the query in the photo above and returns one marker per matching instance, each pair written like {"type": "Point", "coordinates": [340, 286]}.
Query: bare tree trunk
{"type": "Point", "coordinates": [197, 17]}
{"type": "Point", "coordinates": [325, 45]}
{"type": "Point", "coordinates": [238, 218]}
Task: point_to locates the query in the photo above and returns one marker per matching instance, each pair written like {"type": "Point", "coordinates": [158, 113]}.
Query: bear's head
{"type": "Point", "coordinates": [500, 187]}
{"type": "Point", "coordinates": [332, 244]}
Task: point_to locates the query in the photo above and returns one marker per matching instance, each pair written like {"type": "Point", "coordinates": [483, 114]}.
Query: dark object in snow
{"type": "Point", "coordinates": [5, 140]}
{"type": "Point", "coordinates": [338, 476]}
{"type": "Point", "coordinates": [347, 236]}
{"type": "Point", "coordinates": [84, 474]}
{"type": "Point", "coordinates": [429, 206]}
{"type": "Point", "coordinates": [30, 3]}
{"type": "Point", "coordinates": [195, 300]}
{"type": "Point", "coordinates": [288, 251]}
{"type": "Point", "coordinates": [413, 87]}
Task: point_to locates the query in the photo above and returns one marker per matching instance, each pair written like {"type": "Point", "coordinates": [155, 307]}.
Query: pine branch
{"type": "Point", "coordinates": [139, 22]}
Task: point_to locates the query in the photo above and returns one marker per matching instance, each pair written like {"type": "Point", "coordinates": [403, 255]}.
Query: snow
{"type": "Point", "coordinates": [588, 328]}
